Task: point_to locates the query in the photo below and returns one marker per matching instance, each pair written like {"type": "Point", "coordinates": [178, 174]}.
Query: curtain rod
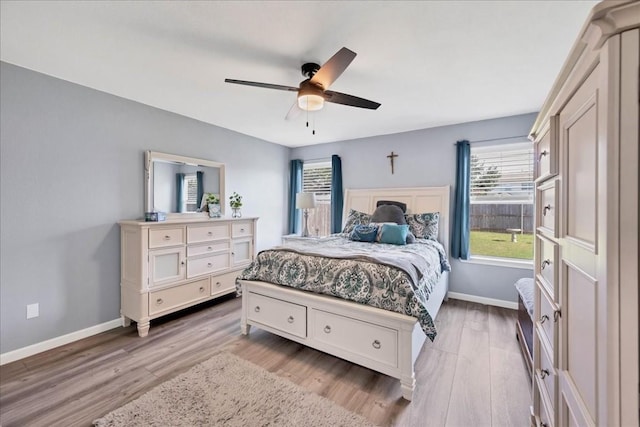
{"type": "Point", "coordinates": [499, 139]}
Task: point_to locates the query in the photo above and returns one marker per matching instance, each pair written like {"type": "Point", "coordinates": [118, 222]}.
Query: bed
{"type": "Point", "coordinates": [372, 336]}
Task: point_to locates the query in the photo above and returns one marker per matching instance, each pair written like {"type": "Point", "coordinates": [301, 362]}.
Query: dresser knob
{"type": "Point", "coordinates": [544, 318]}
{"type": "Point", "coordinates": [159, 301]}
{"type": "Point", "coordinates": [210, 234]}
{"type": "Point", "coordinates": [556, 315]}
{"type": "Point", "coordinates": [257, 309]}
{"type": "Point", "coordinates": [182, 262]}
{"type": "Point", "coordinates": [167, 237]}
{"type": "Point", "coordinates": [218, 284]}
{"type": "Point", "coordinates": [209, 248]}
{"type": "Point", "coordinates": [545, 263]}
{"type": "Point", "coordinates": [542, 154]}
{"type": "Point", "coordinates": [327, 329]}
{"type": "Point", "coordinates": [290, 319]}
{"type": "Point", "coordinates": [544, 373]}
{"type": "Point", "coordinates": [376, 344]}
{"type": "Point", "coordinates": [201, 289]}
{"type": "Point", "coordinates": [545, 209]}
{"type": "Point", "coordinates": [209, 265]}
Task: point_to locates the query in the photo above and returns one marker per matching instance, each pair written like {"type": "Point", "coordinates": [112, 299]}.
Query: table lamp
{"type": "Point", "coordinates": [305, 201]}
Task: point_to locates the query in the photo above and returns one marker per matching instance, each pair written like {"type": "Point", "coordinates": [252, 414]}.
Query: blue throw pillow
{"type": "Point", "coordinates": [364, 233]}
{"type": "Point", "coordinates": [394, 234]}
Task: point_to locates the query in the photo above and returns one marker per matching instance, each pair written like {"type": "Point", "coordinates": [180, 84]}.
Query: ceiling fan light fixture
{"type": "Point", "coordinates": [310, 102]}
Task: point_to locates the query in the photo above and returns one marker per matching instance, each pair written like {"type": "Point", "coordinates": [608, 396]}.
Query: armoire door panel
{"type": "Point", "coordinates": [579, 360]}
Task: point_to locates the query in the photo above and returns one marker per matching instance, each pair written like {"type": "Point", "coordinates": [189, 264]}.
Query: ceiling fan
{"type": "Point", "coordinates": [312, 92]}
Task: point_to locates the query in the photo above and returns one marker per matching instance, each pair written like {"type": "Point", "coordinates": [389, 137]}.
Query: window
{"type": "Point", "coordinates": [502, 191]}
{"type": "Point", "coordinates": [316, 178]}
{"type": "Point", "coordinates": [190, 202]}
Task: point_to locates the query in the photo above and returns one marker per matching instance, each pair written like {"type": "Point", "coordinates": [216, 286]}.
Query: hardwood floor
{"type": "Point", "coordinates": [473, 374]}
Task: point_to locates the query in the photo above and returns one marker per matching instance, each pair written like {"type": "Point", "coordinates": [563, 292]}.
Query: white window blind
{"type": "Point", "coordinates": [502, 173]}
{"type": "Point", "coordinates": [191, 193]}
{"type": "Point", "coordinates": [316, 178]}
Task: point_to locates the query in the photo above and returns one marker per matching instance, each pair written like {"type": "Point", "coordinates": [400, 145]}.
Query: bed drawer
{"type": "Point", "coordinates": [284, 316]}
{"type": "Point", "coordinates": [163, 237]}
{"type": "Point", "coordinates": [363, 339]}
{"type": "Point", "coordinates": [196, 234]}
{"type": "Point", "coordinates": [207, 265]}
{"type": "Point", "coordinates": [178, 296]}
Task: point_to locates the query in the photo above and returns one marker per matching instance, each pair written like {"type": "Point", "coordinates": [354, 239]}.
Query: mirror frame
{"type": "Point", "coordinates": [151, 156]}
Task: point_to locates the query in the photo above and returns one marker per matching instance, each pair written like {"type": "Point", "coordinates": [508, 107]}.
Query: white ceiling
{"type": "Point", "coordinates": [428, 63]}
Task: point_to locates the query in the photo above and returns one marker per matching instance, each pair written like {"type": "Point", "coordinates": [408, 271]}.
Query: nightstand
{"type": "Point", "coordinates": [296, 237]}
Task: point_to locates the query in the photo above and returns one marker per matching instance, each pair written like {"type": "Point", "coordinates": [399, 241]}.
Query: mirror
{"type": "Point", "coordinates": [176, 184]}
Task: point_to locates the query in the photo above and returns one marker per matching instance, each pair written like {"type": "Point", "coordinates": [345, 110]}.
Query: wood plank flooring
{"type": "Point", "coordinates": [472, 375]}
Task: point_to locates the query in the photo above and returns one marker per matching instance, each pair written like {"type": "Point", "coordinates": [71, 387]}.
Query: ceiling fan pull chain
{"type": "Point", "coordinates": [313, 131]}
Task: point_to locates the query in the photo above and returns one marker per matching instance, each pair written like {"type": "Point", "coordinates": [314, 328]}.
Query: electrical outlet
{"type": "Point", "coordinates": [33, 310]}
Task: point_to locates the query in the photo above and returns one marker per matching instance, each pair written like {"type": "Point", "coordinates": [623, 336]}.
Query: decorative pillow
{"type": "Point", "coordinates": [424, 225]}
{"type": "Point", "coordinates": [354, 218]}
{"type": "Point", "coordinates": [388, 213]}
{"type": "Point", "coordinates": [379, 225]}
{"type": "Point", "coordinates": [410, 238]}
{"type": "Point", "coordinates": [395, 234]}
{"type": "Point", "coordinates": [364, 233]}
{"type": "Point", "coordinates": [401, 205]}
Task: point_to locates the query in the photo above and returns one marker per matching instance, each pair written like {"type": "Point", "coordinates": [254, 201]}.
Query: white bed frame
{"type": "Point", "coordinates": [381, 340]}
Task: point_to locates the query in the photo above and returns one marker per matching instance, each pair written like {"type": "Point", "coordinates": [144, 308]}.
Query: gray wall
{"type": "Point", "coordinates": [427, 158]}
{"type": "Point", "coordinates": [71, 164]}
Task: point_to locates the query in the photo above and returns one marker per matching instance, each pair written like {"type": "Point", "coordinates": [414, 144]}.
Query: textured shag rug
{"type": "Point", "coordinates": [229, 391]}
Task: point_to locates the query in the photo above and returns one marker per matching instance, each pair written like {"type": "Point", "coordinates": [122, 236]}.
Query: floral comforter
{"type": "Point", "coordinates": [347, 269]}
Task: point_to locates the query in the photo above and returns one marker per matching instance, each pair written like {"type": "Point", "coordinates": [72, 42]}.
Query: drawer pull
{"type": "Point", "coordinates": [545, 263]}
{"type": "Point", "coordinates": [556, 315]}
{"type": "Point", "coordinates": [376, 344]}
{"type": "Point", "coordinates": [201, 288]}
{"type": "Point", "coordinates": [242, 230]}
{"type": "Point", "coordinates": [218, 284]}
{"type": "Point", "coordinates": [209, 248]}
{"type": "Point", "coordinates": [544, 318]}
{"type": "Point", "coordinates": [167, 237]}
{"type": "Point", "coordinates": [542, 154]}
{"type": "Point", "coordinates": [159, 301]}
{"type": "Point", "coordinates": [182, 262]}
{"type": "Point", "coordinates": [210, 233]}
{"type": "Point", "coordinates": [290, 319]}
{"type": "Point", "coordinates": [209, 265]}
{"type": "Point", "coordinates": [257, 309]}
{"type": "Point", "coordinates": [545, 209]}
{"type": "Point", "coordinates": [327, 329]}
{"type": "Point", "coordinates": [544, 373]}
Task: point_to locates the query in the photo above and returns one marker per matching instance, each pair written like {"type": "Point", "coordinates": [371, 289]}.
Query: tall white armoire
{"type": "Point", "coordinates": [586, 259]}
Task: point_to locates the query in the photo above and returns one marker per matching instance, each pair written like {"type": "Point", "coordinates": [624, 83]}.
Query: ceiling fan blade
{"type": "Point", "coordinates": [294, 111]}
{"type": "Point", "coordinates": [333, 68]}
{"type": "Point", "coordinates": [264, 85]}
{"type": "Point", "coordinates": [353, 101]}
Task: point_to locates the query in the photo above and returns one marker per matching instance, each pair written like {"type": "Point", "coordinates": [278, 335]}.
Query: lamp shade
{"type": "Point", "coordinates": [305, 200]}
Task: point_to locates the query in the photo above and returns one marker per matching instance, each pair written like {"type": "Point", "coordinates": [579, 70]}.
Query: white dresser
{"type": "Point", "coordinates": [586, 253]}
{"type": "Point", "coordinates": [170, 265]}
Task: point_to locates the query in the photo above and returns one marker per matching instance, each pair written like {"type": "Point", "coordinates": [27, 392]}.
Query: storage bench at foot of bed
{"type": "Point", "coordinates": [381, 340]}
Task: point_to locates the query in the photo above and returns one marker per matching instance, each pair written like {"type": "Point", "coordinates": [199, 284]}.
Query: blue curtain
{"type": "Point", "coordinates": [460, 238]}
{"type": "Point", "coordinates": [295, 186]}
{"type": "Point", "coordinates": [200, 189]}
{"type": "Point", "coordinates": [336, 194]}
{"type": "Point", "coordinates": [179, 181]}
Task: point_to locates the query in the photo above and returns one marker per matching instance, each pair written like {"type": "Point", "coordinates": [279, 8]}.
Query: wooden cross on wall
{"type": "Point", "coordinates": [391, 157]}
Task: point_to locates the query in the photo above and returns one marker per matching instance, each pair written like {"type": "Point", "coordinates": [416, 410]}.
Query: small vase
{"type": "Point", "coordinates": [235, 213]}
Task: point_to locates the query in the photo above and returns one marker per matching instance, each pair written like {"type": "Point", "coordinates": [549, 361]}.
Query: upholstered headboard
{"type": "Point", "coordinates": [417, 199]}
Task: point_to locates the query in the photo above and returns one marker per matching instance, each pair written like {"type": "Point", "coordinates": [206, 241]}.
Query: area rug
{"type": "Point", "coordinates": [229, 391]}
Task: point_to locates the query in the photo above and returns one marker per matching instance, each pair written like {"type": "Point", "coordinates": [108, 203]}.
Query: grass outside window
{"type": "Point", "coordinates": [495, 244]}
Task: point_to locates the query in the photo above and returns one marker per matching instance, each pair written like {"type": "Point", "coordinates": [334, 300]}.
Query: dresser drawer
{"type": "Point", "coordinates": [207, 265]}
{"type": "Point", "coordinates": [547, 375]}
{"type": "Point", "coordinates": [178, 296]}
{"type": "Point", "coordinates": [242, 229]}
{"type": "Point", "coordinates": [163, 237]}
{"type": "Point", "coordinates": [364, 339]}
{"type": "Point", "coordinates": [546, 153]}
{"type": "Point", "coordinates": [547, 205]}
{"type": "Point", "coordinates": [224, 283]}
{"type": "Point", "coordinates": [208, 248]}
{"type": "Point", "coordinates": [547, 323]}
{"type": "Point", "coordinates": [547, 271]}
{"type": "Point", "coordinates": [284, 316]}
{"type": "Point", "coordinates": [206, 233]}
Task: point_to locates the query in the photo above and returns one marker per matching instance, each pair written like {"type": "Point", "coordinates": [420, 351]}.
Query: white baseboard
{"type": "Point", "coordinates": [21, 353]}
{"type": "Point", "coordinates": [483, 300]}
